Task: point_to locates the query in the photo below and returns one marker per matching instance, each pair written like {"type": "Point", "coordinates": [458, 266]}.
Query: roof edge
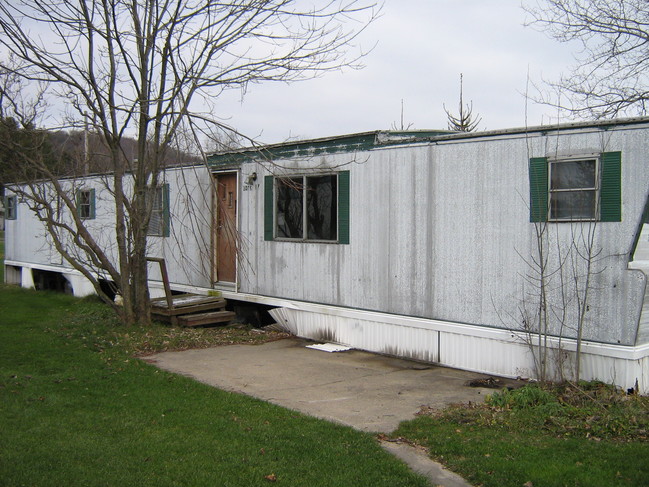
{"type": "Point", "coordinates": [383, 138]}
{"type": "Point", "coordinates": [549, 128]}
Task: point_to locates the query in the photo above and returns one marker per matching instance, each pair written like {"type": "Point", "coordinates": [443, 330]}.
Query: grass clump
{"type": "Point", "coordinates": [573, 435]}
{"type": "Point", "coordinates": [525, 397]}
{"type": "Point", "coordinates": [79, 410]}
{"type": "Point", "coordinates": [591, 410]}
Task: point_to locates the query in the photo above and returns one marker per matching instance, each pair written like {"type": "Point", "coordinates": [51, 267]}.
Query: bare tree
{"type": "Point", "coordinates": [465, 121]}
{"type": "Point", "coordinates": [610, 77]}
{"type": "Point", "coordinates": [559, 282]}
{"type": "Point", "coordinates": [148, 68]}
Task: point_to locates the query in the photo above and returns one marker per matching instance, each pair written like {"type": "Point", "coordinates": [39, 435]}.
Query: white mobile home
{"type": "Point", "coordinates": [448, 248]}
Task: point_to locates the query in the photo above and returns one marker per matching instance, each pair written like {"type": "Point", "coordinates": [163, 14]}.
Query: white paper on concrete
{"type": "Point", "coordinates": [329, 347]}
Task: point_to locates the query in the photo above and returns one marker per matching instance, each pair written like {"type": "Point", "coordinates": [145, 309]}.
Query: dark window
{"type": "Point", "coordinates": [290, 208]}
{"type": "Point", "coordinates": [86, 203]}
{"type": "Point", "coordinates": [308, 208]}
{"type": "Point", "coordinates": [322, 208]}
{"type": "Point", "coordinates": [574, 190]}
{"type": "Point", "coordinates": [11, 207]}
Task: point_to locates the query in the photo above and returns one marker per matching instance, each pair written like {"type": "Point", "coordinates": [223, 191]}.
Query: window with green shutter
{"type": "Point", "coordinates": [312, 208]}
{"type": "Point", "coordinates": [584, 188]}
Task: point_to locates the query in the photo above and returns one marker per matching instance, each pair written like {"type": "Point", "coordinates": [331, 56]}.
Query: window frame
{"type": "Point", "coordinates": [341, 199]}
{"type": "Point", "coordinates": [557, 162]}
{"type": "Point", "coordinates": [90, 205]}
{"type": "Point", "coordinates": [609, 196]}
{"type": "Point", "coordinates": [305, 207]}
{"type": "Point", "coordinates": [11, 207]}
{"type": "Point", "coordinates": [163, 212]}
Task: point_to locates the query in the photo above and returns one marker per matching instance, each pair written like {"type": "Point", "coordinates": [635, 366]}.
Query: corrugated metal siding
{"type": "Point", "coordinates": [443, 232]}
{"type": "Point", "coordinates": [507, 357]}
{"type": "Point", "coordinates": [186, 250]}
{"type": "Point", "coordinates": [642, 246]}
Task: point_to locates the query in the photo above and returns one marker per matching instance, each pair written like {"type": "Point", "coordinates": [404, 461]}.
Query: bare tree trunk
{"type": "Point", "coordinates": [146, 69]}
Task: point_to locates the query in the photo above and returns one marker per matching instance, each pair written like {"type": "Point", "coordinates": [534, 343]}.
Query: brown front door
{"type": "Point", "coordinates": [226, 227]}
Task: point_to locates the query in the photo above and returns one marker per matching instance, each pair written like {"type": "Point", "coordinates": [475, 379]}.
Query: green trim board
{"type": "Point", "coordinates": [610, 209]}
{"type": "Point", "coordinates": [343, 207]}
{"type": "Point", "coordinates": [538, 189]}
{"type": "Point", "coordinates": [388, 138]}
{"type": "Point", "coordinates": [316, 147]}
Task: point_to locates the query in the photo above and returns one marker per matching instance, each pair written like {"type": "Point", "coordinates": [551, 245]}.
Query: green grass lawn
{"type": "Point", "coordinates": [76, 409]}
{"type": "Point", "coordinates": [590, 435]}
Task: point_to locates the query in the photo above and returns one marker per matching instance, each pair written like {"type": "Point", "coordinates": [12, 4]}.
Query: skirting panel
{"type": "Point", "coordinates": [479, 349]}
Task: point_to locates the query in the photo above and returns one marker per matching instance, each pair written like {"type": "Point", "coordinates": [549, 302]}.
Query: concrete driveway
{"type": "Point", "coordinates": [366, 391]}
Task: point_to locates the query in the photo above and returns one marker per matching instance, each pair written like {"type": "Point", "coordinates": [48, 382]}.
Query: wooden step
{"type": "Point", "coordinates": [186, 303]}
{"type": "Point", "coordinates": [198, 319]}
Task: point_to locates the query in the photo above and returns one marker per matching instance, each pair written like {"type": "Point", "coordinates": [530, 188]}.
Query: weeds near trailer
{"type": "Point", "coordinates": [583, 434]}
{"type": "Point", "coordinates": [99, 330]}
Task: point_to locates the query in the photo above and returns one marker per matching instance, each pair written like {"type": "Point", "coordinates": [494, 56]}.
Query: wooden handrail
{"type": "Point", "coordinates": [165, 279]}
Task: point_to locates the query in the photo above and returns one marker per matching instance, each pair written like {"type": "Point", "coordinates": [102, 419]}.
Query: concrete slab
{"type": "Point", "coordinates": [366, 391]}
{"type": "Point", "coordinates": [369, 392]}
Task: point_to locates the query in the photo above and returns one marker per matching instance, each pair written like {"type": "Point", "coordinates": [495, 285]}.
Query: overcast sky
{"type": "Point", "coordinates": [422, 47]}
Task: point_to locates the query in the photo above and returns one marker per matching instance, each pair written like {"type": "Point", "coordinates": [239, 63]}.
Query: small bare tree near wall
{"type": "Point", "coordinates": [562, 264]}
{"type": "Point", "coordinates": [557, 301]}
{"type": "Point", "coordinates": [147, 69]}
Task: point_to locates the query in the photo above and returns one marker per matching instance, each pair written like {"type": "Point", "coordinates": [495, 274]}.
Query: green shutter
{"type": "Point", "coordinates": [610, 209]}
{"type": "Point", "coordinates": [343, 207]}
{"type": "Point", "coordinates": [92, 203]}
{"type": "Point", "coordinates": [166, 214]}
{"type": "Point", "coordinates": [538, 189]}
{"type": "Point", "coordinates": [269, 204]}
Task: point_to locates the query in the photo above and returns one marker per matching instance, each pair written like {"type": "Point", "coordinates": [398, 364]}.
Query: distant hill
{"type": "Point", "coordinates": [71, 147]}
